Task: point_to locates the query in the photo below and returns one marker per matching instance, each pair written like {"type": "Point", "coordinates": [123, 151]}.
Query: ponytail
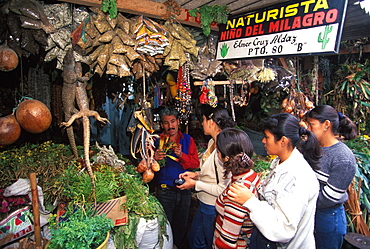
{"type": "Point", "coordinates": [310, 147]}
{"type": "Point", "coordinates": [347, 128]}
{"type": "Point", "coordinates": [341, 124]}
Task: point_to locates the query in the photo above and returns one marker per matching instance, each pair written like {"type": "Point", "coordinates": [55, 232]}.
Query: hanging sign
{"type": "Point", "coordinates": [293, 28]}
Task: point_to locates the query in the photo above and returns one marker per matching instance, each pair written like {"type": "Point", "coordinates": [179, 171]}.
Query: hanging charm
{"type": "Point", "coordinates": [212, 98]}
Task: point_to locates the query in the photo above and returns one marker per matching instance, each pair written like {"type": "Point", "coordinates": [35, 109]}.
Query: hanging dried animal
{"type": "Point", "coordinates": [26, 26]}
{"type": "Point", "coordinates": [80, 81]}
{"type": "Point", "coordinates": [181, 42]}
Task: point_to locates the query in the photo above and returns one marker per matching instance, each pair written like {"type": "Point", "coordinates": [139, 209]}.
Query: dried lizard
{"type": "Point", "coordinates": [84, 113]}
{"type": "Point", "coordinates": [69, 95]}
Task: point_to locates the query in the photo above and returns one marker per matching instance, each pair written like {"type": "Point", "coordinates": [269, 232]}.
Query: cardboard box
{"type": "Point", "coordinates": [114, 209]}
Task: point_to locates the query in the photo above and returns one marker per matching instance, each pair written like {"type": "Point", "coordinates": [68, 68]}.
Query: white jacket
{"type": "Point", "coordinates": [288, 214]}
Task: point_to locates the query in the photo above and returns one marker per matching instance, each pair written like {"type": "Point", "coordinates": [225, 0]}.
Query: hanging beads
{"type": "Point", "coordinates": [183, 98]}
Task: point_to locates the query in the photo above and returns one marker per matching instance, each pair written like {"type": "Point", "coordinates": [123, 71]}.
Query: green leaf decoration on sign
{"type": "Point", "coordinates": [224, 50]}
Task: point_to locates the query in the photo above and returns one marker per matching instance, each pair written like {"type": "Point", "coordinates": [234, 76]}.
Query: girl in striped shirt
{"type": "Point", "coordinates": [233, 225]}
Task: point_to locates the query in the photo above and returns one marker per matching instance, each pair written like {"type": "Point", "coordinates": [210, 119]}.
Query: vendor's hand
{"type": "Point", "coordinates": [188, 184]}
{"type": "Point", "coordinates": [177, 150]}
{"type": "Point", "coordinates": [189, 174]}
{"type": "Point", "coordinates": [239, 193]}
{"type": "Point", "coordinates": [159, 155]}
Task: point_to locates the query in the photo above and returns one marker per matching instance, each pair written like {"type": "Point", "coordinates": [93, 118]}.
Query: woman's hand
{"type": "Point", "coordinates": [188, 184]}
{"type": "Point", "coordinates": [239, 193]}
{"type": "Point", "coordinates": [189, 174]}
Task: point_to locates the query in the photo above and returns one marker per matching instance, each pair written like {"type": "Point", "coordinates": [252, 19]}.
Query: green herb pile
{"type": "Point", "coordinates": [82, 229]}
{"type": "Point", "coordinates": [140, 204]}
{"type": "Point", "coordinates": [47, 160]}
{"type": "Point", "coordinates": [77, 185]}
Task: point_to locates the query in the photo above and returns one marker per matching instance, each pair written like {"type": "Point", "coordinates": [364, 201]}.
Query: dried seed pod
{"type": "Point", "coordinates": [155, 166]}
{"type": "Point", "coordinates": [288, 109]}
{"type": "Point", "coordinates": [309, 104]}
{"type": "Point", "coordinates": [142, 166]}
{"type": "Point", "coordinates": [303, 124]}
{"type": "Point", "coordinates": [284, 103]}
{"type": "Point", "coordinates": [148, 175]}
{"type": "Point", "coordinates": [301, 113]}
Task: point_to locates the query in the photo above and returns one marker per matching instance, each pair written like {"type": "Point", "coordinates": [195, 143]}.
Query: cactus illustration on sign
{"type": "Point", "coordinates": [325, 38]}
{"type": "Point", "coordinates": [224, 50]}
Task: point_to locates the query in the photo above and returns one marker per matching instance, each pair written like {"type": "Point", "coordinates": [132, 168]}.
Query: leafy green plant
{"type": "Point", "coordinates": [82, 229]}
{"type": "Point", "coordinates": [140, 204]}
{"type": "Point", "coordinates": [360, 148]}
{"type": "Point", "coordinates": [209, 14]}
{"type": "Point", "coordinates": [77, 187]}
{"type": "Point", "coordinates": [350, 92]}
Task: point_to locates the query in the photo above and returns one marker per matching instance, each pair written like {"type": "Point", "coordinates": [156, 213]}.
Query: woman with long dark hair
{"type": "Point", "coordinates": [337, 169]}
{"type": "Point", "coordinates": [285, 210]}
{"type": "Point", "coordinates": [210, 181]}
{"type": "Point", "coordinates": [233, 225]}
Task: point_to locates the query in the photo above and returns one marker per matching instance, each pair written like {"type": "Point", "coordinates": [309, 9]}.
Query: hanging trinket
{"type": "Point", "coordinates": [231, 89]}
{"type": "Point", "coordinates": [212, 98]}
{"type": "Point", "coordinates": [203, 98]}
{"type": "Point", "coordinates": [183, 98]}
{"type": "Point", "coordinates": [208, 95]}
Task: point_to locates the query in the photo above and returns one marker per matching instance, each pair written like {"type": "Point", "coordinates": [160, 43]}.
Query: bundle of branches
{"type": "Point", "coordinates": [353, 208]}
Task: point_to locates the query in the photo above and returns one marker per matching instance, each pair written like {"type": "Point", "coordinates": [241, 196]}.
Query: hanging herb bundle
{"type": "Point", "coordinates": [208, 14]}
{"type": "Point", "coordinates": [110, 6]}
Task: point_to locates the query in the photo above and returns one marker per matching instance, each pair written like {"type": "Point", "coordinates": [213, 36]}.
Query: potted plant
{"type": "Point", "coordinates": [80, 228]}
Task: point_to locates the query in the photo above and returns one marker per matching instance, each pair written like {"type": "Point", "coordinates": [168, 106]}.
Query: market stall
{"type": "Point", "coordinates": [85, 83]}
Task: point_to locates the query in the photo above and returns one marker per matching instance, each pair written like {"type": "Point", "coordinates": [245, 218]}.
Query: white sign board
{"type": "Point", "coordinates": [301, 27]}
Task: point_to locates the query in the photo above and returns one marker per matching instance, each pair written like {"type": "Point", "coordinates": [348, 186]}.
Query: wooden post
{"type": "Point", "coordinates": [36, 211]}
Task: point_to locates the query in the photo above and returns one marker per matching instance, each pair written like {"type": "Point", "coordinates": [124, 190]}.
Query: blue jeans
{"type": "Point", "coordinates": [176, 204]}
{"type": "Point", "coordinates": [330, 227]}
{"type": "Point", "coordinates": [202, 227]}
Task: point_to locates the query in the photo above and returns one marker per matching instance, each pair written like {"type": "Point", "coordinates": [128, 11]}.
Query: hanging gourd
{"type": "Point", "coordinates": [10, 130]}
{"type": "Point", "coordinates": [33, 116]}
{"type": "Point", "coordinates": [8, 58]}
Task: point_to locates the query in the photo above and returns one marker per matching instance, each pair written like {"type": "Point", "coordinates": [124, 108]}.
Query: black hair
{"type": "Point", "coordinates": [340, 123]}
{"type": "Point", "coordinates": [235, 144]}
{"type": "Point", "coordinates": [219, 115]}
{"type": "Point", "coordinates": [285, 124]}
{"type": "Point", "coordinates": [168, 111]}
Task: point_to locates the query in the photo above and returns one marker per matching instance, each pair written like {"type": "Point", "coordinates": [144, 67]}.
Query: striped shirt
{"type": "Point", "coordinates": [337, 169]}
{"type": "Point", "coordinates": [233, 225]}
